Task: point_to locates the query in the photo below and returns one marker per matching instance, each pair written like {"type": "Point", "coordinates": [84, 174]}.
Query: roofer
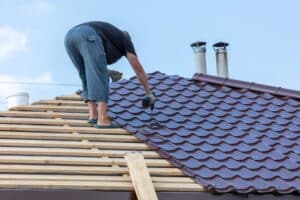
{"type": "Point", "coordinates": [92, 46]}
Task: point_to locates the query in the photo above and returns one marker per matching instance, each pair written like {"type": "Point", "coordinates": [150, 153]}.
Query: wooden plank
{"type": "Point", "coordinates": [55, 160]}
{"type": "Point", "coordinates": [80, 185]}
{"type": "Point", "coordinates": [140, 176]}
{"type": "Point", "coordinates": [73, 144]}
{"type": "Point", "coordinates": [70, 152]}
{"type": "Point", "coordinates": [63, 169]}
{"type": "Point", "coordinates": [68, 136]}
{"type": "Point", "coordinates": [168, 179]}
{"type": "Point", "coordinates": [83, 116]}
{"type": "Point", "coordinates": [64, 129]}
{"type": "Point", "coordinates": [31, 121]}
{"type": "Point", "coordinates": [59, 177]}
{"type": "Point", "coordinates": [59, 103]}
{"type": "Point", "coordinates": [72, 97]}
{"type": "Point", "coordinates": [171, 179]}
{"type": "Point", "coordinates": [66, 108]}
{"type": "Point", "coordinates": [97, 185]}
{"type": "Point", "coordinates": [161, 183]}
{"type": "Point", "coordinates": [48, 107]}
{"type": "Point", "coordinates": [182, 187]}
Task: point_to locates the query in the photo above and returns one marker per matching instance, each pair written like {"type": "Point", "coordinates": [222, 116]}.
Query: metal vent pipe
{"type": "Point", "coordinates": [221, 58]}
{"type": "Point", "coordinates": [18, 99]}
{"type": "Point", "coordinates": [200, 57]}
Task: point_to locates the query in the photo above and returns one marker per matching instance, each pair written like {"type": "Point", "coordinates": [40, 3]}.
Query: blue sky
{"type": "Point", "coordinates": [263, 36]}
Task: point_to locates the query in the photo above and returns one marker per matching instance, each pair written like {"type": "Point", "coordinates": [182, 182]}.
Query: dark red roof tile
{"type": "Point", "coordinates": [228, 135]}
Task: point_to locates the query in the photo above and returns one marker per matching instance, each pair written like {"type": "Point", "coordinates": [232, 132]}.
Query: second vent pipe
{"type": "Point", "coordinates": [221, 59]}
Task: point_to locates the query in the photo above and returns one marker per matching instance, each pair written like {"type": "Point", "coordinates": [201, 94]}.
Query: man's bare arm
{"type": "Point", "coordinates": [139, 70]}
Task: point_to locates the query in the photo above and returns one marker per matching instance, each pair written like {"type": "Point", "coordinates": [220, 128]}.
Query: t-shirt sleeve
{"type": "Point", "coordinates": [128, 46]}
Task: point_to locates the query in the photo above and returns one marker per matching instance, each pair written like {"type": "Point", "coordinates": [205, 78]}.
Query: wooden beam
{"type": "Point", "coordinates": [59, 103]}
{"type": "Point", "coordinates": [72, 97]}
{"type": "Point", "coordinates": [96, 185]}
{"type": "Point", "coordinates": [31, 121]}
{"type": "Point", "coordinates": [60, 181]}
{"type": "Point", "coordinates": [38, 128]}
{"type": "Point", "coordinates": [80, 185]}
{"type": "Point", "coordinates": [69, 163]}
{"type": "Point", "coordinates": [68, 136]}
{"type": "Point", "coordinates": [67, 169]}
{"type": "Point", "coordinates": [53, 177]}
{"type": "Point", "coordinates": [140, 176]}
{"type": "Point", "coordinates": [70, 152]}
{"type": "Point", "coordinates": [49, 107]}
{"type": "Point", "coordinates": [83, 116]}
{"type": "Point", "coordinates": [74, 144]}
{"type": "Point", "coordinates": [67, 177]}
{"type": "Point", "coordinates": [64, 160]}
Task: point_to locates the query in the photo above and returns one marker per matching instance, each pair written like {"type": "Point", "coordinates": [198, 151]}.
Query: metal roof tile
{"type": "Point", "coordinates": [228, 135]}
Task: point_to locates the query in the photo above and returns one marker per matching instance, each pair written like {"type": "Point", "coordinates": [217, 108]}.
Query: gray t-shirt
{"type": "Point", "coordinates": [116, 42]}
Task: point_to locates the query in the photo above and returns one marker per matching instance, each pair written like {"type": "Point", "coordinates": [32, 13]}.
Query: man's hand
{"type": "Point", "coordinates": [114, 75]}
{"type": "Point", "coordinates": [148, 101]}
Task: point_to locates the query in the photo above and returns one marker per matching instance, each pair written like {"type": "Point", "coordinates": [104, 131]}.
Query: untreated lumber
{"type": "Point", "coordinates": [53, 177]}
{"type": "Point", "coordinates": [74, 144]}
{"type": "Point", "coordinates": [31, 121]}
{"type": "Point", "coordinates": [64, 160]}
{"type": "Point", "coordinates": [70, 152]}
{"type": "Point", "coordinates": [66, 169]}
{"type": "Point", "coordinates": [50, 108]}
{"type": "Point", "coordinates": [44, 114]}
{"type": "Point", "coordinates": [67, 136]}
{"type": "Point", "coordinates": [38, 128]}
{"type": "Point", "coordinates": [72, 97]}
{"type": "Point", "coordinates": [96, 185]}
{"type": "Point", "coordinates": [59, 103]}
{"type": "Point", "coordinates": [140, 176]}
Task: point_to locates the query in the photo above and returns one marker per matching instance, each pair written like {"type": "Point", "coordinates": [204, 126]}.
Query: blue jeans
{"type": "Point", "coordinates": [85, 48]}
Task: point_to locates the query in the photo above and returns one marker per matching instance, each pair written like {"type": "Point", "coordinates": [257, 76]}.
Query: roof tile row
{"type": "Point", "coordinates": [228, 135]}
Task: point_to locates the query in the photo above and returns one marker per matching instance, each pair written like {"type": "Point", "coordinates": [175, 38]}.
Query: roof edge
{"type": "Point", "coordinates": [279, 91]}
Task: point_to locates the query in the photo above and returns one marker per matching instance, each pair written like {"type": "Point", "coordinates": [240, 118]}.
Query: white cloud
{"type": "Point", "coordinates": [38, 8]}
{"type": "Point", "coordinates": [11, 41]}
{"type": "Point", "coordinates": [7, 89]}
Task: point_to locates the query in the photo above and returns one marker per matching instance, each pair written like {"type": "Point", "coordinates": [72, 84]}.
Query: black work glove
{"type": "Point", "coordinates": [148, 101]}
{"type": "Point", "coordinates": [114, 75]}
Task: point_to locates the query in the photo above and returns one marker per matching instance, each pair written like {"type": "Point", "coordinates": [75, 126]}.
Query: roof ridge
{"type": "Point", "coordinates": [279, 91]}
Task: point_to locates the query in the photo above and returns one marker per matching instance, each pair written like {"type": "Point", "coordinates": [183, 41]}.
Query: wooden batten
{"type": "Point", "coordinates": [50, 145]}
{"type": "Point", "coordinates": [140, 176]}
